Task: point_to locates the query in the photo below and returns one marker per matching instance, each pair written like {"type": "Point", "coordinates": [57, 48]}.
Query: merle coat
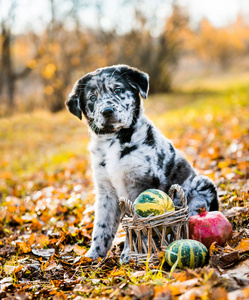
{"type": "Point", "coordinates": [128, 153]}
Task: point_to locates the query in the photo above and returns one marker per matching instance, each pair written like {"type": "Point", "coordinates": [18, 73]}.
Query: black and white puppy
{"type": "Point", "coordinates": [129, 154]}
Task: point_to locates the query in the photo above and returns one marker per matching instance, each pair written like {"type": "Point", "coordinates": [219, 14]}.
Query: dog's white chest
{"type": "Point", "coordinates": [116, 170]}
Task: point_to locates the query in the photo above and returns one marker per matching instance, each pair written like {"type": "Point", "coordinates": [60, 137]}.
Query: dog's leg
{"type": "Point", "coordinates": [107, 215]}
{"type": "Point", "coordinates": [124, 258]}
{"type": "Point", "coordinates": [202, 193]}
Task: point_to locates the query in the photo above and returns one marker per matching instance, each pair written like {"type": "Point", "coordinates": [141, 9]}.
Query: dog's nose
{"type": "Point", "coordinates": [107, 112]}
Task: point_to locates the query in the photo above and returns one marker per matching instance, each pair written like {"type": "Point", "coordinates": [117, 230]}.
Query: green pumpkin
{"type": "Point", "coordinates": [189, 253]}
{"type": "Point", "coordinates": [153, 201]}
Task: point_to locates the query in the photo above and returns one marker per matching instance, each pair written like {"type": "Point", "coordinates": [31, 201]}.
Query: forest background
{"type": "Point", "coordinates": [43, 55]}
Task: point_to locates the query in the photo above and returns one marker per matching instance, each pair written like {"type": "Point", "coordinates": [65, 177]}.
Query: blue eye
{"type": "Point", "coordinates": [93, 98]}
{"type": "Point", "coordinates": [117, 90]}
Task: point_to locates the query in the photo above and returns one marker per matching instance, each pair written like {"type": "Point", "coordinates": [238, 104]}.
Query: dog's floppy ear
{"type": "Point", "coordinates": [73, 102]}
{"type": "Point", "coordinates": [139, 80]}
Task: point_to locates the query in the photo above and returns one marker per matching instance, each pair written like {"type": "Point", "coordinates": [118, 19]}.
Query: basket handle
{"type": "Point", "coordinates": [126, 207]}
{"type": "Point", "coordinates": [178, 188]}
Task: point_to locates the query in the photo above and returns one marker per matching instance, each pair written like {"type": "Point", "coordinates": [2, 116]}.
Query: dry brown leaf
{"type": "Point", "coordinates": [194, 293]}
{"type": "Point", "coordinates": [240, 271]}
{"type": "Point", "coordinates": [235, 211]}
{"type": "Point", "coordinates": [79, 250]}
{"type": "Point", "coordinates": [12, 269]}
{"type": "Point", "coordinates": [181, 276]}
{"type": "Point", "coordinates": [41, 240]}
{"type": "Point", "coordinates": [223, 257]}
{"type": "Point", "coordinates": [162, 292]}
{"type": "Point", "coordinates": [218, 293]}
{"type": "Point", "coordinates": [43, 252]}
{"type": "Point", "coordinates": [184, 285]}
{"type": "Point", "coordinates": [138, 274]}
{"type": "Point", "coordinates": [142, 292]}
{"type": "Point", "coordinates": [239, 294]}
{"type": "Point", "coordinates": [50, 265]}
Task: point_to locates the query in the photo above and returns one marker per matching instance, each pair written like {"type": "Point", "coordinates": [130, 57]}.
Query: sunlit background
{"type": "Point", "coordinates": [46, 45]}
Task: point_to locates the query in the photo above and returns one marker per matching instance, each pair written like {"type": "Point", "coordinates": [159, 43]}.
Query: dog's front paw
{"type": "Point", "coordinates": [93, 253]}
{"type": "Point", "coordinates": [124, 258]}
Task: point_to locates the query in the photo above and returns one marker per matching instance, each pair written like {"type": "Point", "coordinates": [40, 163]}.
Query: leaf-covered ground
{"type": "Point", "coordinates": [46, 208]}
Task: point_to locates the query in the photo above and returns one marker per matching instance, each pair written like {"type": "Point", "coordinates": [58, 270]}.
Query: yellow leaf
{"type": "Point", "coordinates": [117, 273]}
{"type": "Point", "coordinates": [35, 224]}
{"type": "Point", "coordinates": [23, 247]}
{"type": "Point", "coordinates": [243, 245]}
{"type": "Point", "coordinates": [224, 164]}
{"type": "Point", "coordinates": [162, 292]}
{"type": "Point", "coordinates": [174, 290]}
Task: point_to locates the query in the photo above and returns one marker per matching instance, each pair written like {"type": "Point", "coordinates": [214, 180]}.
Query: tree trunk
{"type": "Point", "coordinates": [7, 77]}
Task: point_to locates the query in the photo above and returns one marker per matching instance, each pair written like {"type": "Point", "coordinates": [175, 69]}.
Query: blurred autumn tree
{"type": "Point", "coordinates": [158, 56]}
{"type": "Point", "coordinates": [64, 53]}
{"type": "Point", "coordinates": [222, 45]}
{"type": "Point", "coordinates": [9, 73]}
{"type": "Point", "coordinates": [67, 48]}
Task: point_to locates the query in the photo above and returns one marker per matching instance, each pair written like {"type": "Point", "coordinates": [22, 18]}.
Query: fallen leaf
{"type": "Point", "coordinates": [23, 247]}
{"type": "Point", "coordinates": [223, 257]}
{"type": "Point", "coordinates": [240, 271]}
{"type": "Point", "coordinates": [79, 250]}
{"type": "Point", "coordinates": [35, 225]}
{"type": "Point", "coordinates": [218, 293]}
{"type": "Point", "coordinates": [239, 294]}
{"type": "Point", "coordinates": [43, 252]}
{"type": "Point", "coordinates": [194, 293]}
{"type": "Point", "coordinates": [11, 270]}
{"type": "Point", "coordinates": [182, 286]}
{"type": "Point", "coordinates": [142, 292]}
{"type": "Point", "coordinates": [235, 211]}
{"type": "Point", "coordinates": [243, 246]}
{"type": "Point", "coordinates": [118, 273]}
{"type": "Point", "coordinates": [50, 265]}
{"type": "Point", "coordinates": [138, 274]}
{"type": "Point", "coordinates": [162, 292]}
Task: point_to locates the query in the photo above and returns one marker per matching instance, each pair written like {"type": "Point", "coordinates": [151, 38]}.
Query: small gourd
{"type": "Point", "coordinates": [153, 201]}
{"type": "Point", "coordinates": [189, 253]}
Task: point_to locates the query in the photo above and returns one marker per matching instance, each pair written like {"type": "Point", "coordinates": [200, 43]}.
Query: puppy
{"type": "Point", "coordinates": [128, 153]}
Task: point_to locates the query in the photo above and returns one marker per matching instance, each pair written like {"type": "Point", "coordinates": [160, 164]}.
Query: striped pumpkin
{"type": "Point", "coordinates": [153, 201]}
{"type": "Point", "coordinates": [191, 254]}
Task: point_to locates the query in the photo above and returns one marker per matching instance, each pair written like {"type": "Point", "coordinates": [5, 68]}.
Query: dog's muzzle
{"type": "Point", "coordinates": [107, 112]}
{"type": "Point", "coordinates": [109, 119]}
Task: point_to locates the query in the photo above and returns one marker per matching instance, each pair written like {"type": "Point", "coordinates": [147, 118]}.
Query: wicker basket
{"type": "Point", "coordinates": [148, 236]}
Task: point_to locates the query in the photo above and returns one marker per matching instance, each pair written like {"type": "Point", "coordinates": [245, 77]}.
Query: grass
{"type": "Point", "coordinates": [40, 141]}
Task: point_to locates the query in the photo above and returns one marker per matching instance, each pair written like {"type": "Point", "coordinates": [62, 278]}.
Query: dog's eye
{"type": "Point", "coordinates": [117, 90]}
{"type": "Point", "coordinates": [93, 98]}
